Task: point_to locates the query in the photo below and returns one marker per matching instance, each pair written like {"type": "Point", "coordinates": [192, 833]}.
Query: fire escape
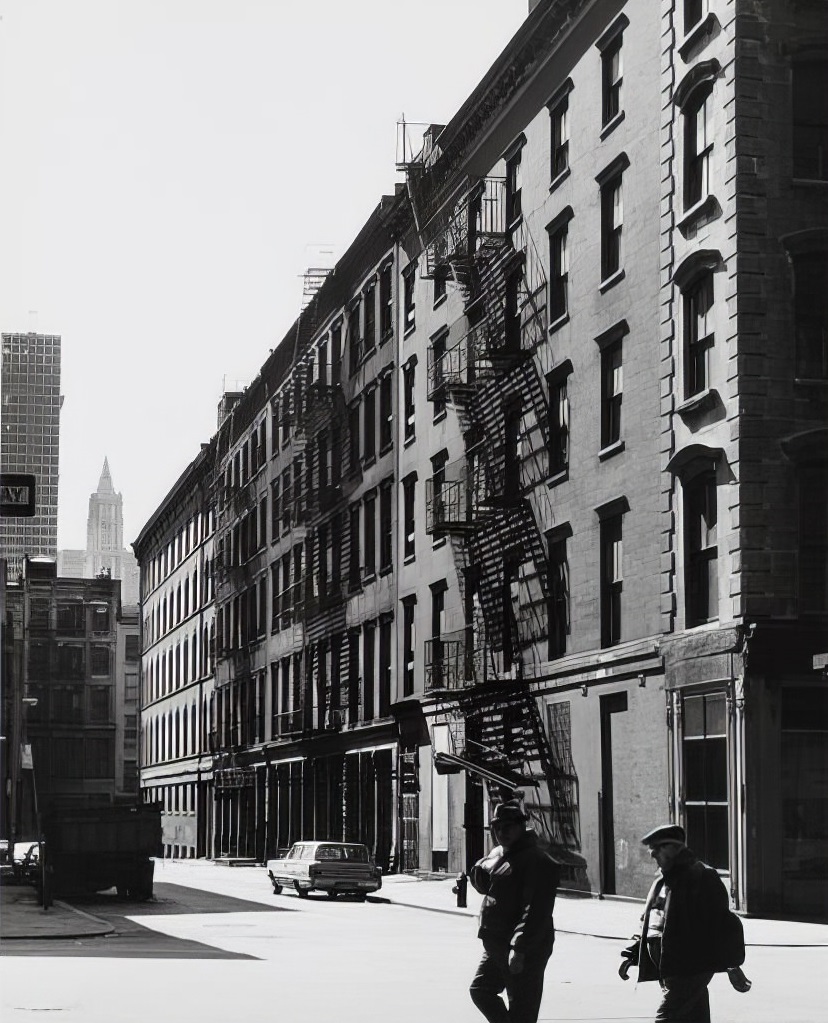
{"type": "Point", "coordinates": [485, 371]}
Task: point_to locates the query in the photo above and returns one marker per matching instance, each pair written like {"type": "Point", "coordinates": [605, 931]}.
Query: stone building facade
{"type": "Point", "coordinates": [532, 499]}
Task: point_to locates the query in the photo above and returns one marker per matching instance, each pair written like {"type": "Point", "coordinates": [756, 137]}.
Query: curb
{"type": "Point", "coordinates": [101, 930]}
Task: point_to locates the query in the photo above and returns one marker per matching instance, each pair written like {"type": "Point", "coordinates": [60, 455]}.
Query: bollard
{"type": "Point", "coordinates": [460, 888]}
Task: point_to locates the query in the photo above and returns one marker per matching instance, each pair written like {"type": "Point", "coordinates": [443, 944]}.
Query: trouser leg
{"type": "Point", "coordinates": [685, 999]}
{"type": "Point", "coordinates": [525, 989]}
{"type": "Point", "coordinates": [490, 980]}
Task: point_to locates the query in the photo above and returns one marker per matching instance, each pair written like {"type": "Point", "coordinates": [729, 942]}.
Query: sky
{"type": "Point", "coordinates": [169, 170]}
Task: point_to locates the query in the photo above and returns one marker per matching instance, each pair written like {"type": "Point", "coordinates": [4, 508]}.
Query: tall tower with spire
{"type": "Point", "coordinates": [105, 524]}
{"type": "Point", "coordinates": [105, 551]}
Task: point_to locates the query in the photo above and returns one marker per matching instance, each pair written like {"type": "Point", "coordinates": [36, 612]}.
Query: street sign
{"type": "Point", "coordinates": [17, 495]}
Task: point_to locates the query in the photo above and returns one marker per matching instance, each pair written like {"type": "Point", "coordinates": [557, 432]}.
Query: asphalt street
{"type": "Point", "coordinates": [216, 946]}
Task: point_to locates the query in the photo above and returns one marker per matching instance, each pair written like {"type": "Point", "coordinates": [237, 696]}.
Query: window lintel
{"type": "Point", "coordinates": [694, 265]}
{"type": "Point", "coordinates": [612, 334]}
{"type": "Point", "coordinates": [694, 459]}
{"type": "Point", "coordinates": [612, 33]}
{"type": "Point", "coordinates": [559, 372]}
{"type": "Point", "coordinates": [619, 164]}
{"type": "Point", "coordinates": [559, 94]}
{"type": "Point", "coordinates": [702, 75]}
{"type": "Point", "coordinates": [560, 220]}
{"type": "Point", "coordinates": [609, 509]}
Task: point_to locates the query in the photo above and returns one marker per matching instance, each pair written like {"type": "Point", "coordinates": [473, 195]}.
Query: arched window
{"type": "Point", "coordinates": [694, 98]}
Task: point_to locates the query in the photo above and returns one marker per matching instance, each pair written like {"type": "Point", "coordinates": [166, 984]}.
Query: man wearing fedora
{"type": "Point", "coordinates": [680, 942]}
{"type": "Point", "coordinates": [518, 881]}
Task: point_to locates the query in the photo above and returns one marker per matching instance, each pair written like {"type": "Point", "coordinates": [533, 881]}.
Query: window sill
{"type": "Point", "coordinates": [809, 182]}
{"type": "Point", "coordinates": [386, 448]}
{"type": "Point", "coordinates": [386, 337]}
{"type": "Point", "coordinates": [819, 382]}
{"type": "Point", "coordinates": [705, 210]}
{"type": "Point", "coordinates": [410, 559]}
{"type": "Point", "coordinates": [369, 577]}
{"type": "Point", "coordinates": [409, 330]}
{"type": "Point", "coordinates": [611, 125]}
{"type": "Point", "coordinates": [611, 281]}
{"type": "Point", "coordinates": [440, 301]}
{"type": "Point", "coordinates": [441, 542]}
{"type": "Point", "coordinates": [368, 461]}
{"type": "Point", "coordinates": [559, 477]}
{"type": "Point", "coordinates": [698, 402]}
{"type": "Point", "coordinates": [611, 450]}
{"type": "Point", "coordinates": [559, 180]}
{"type": "Point", "coordinates": [439, 416]}
{"type": "Point", "coordinates": [557, 324]}
{"type": "Point", "coordinates": [409, 440]}
{"type": "Point", "coordinates": [386, 570]}
{"type": "Point", "coordinates": [703, 28]}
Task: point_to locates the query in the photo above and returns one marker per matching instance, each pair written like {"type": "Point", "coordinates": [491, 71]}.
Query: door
{"type": "Point", "coordinates": [612, 703]}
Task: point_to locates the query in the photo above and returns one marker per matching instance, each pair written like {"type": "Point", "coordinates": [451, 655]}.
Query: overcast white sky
{"type": "Point", "coordinates": [168, 167]}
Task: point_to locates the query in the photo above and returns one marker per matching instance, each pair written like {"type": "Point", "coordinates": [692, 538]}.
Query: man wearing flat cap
{"type": "Point", "coordinates": [518, 881]}
{"type": "Point", "coordinates": [684, 919]}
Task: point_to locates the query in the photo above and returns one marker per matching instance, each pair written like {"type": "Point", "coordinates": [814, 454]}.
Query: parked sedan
{"type": "Point", "coordinates": [332, 867]}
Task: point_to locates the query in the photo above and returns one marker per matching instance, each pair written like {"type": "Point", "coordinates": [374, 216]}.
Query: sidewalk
{"type": "Point", "coordinates": [22, 916]}
{"type": "Point", "coordinates": [600, 918]}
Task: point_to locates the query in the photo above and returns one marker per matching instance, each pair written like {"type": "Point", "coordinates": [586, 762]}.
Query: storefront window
{"type": "Point", "coordinates": [805, 798]}
{"type": "Point", "coordinates": [706, 777]}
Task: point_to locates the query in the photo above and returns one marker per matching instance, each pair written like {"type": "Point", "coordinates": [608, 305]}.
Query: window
{"type": "Point", "coordinates": [558, 591]}
{"type": "Point", "coordinates": [99, 704]}
{"type": "Point", "coordinates": [698, 145]}
{"type": "Point", "coordinates": [100, 758]}
{"type": "Point", "coordinates": [559, 419]}
{"type": "Point", "coordinates": [408, 400]}
{"type": "Point", "coordinates": [612, 219]}
{"type": "Point", "coordinates": [705, 774]}
{"type": "Point", "coordinates": [611, 394]}
{"type": "Point", "coordinates": [368, 670]}
{"type": "Point", "coordinates": [409, 278]}
{"type": "Point", "coordinates": [287, 500]}
{"type": "Point", "coordinates": [409, 644]}
{"type": "Point", "coordinates": [612, 76]}
{"type": "Point", "coordinates": [698, 334]}
{"type": "Point", "coordinates": [386, 527]}
{"type": "Point", "coordinates": [275, 609]}
{"type": "Point", "coordinates": [559, 272]}
{"type": "Point", "coordinates": [99, 660]}
{"type": "Point", "coordinates": [354, 568]}
{"type": "Point", "coordinates": [354, 339]}
{"type": "Point", "coordinates": [353, 436]}
{"type": "Point", "coordinates": [694, 11]}
{"type": "Point", "coordinates": [386, 311]}
{"type": "Point", "coordinates": [559, 115]}
{"type": "Point", "coordinates": [439, 287]}
{"type": "Point", "coordinates": [436, 668]}
{"type": "Point", "coordinates": [810, 119]}
{"type": "Point", "coordinates": [409, 487]}
{"type": "Point", "coordinates": [370, 426]}
{"type": "Point", "coordinates": [370, 320]}
{"type": "Point", "coordinates": [701, 549]}
{"type": "Point", "coordinates": [438, 352]}
{"type": "Point", "coordinates": [132, 648]}
{"type": "Point", "coordinates": [370, 534]}
{"type": "Point", "coordinates": [811, 314]}
{"type": "Point", "coordinates": [813, 537]}
{"type": "Point", "coordinates": [275, 509]}
{"type": "Point", "coordinates": [336, 354]}
{"type": "Point", "coordinates": [384, 693]}
{"type": "Point", "coordinates": [514, 202]}
{"type": "Point", "coordinates": [386, 412]}
{"type": "Point", "coordinates": [611, 580]}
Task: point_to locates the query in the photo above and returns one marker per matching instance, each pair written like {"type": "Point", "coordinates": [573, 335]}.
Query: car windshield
{"type": "Point", "coordinates": [351, 853]}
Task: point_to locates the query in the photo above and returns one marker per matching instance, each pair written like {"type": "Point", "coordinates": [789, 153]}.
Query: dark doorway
{"type": "Point", "coordinates": [612, 703]}
{"type": "Point", "coordinates": [475, 838]}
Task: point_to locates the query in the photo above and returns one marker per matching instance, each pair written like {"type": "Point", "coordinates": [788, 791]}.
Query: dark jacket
{"type": "Point", "coordinates": [519, 894]}
{"type": "Point", "coordinates": [696, 905]}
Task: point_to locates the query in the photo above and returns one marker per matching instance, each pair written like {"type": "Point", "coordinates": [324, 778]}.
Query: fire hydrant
{"type": "Point", "coordinates": [460, 889]}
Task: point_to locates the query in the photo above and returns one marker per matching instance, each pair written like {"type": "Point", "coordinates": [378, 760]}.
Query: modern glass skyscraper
{"type": "Point", "coordinates": [30, 440]}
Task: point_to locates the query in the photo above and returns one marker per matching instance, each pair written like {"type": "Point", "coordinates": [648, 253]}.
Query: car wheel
{"type": "Point", "coordinates": [332, 894]}
{"type": "Point", "coordinates": [301, 892]}
{"type": "Point", "coordinates": [361, 896]}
